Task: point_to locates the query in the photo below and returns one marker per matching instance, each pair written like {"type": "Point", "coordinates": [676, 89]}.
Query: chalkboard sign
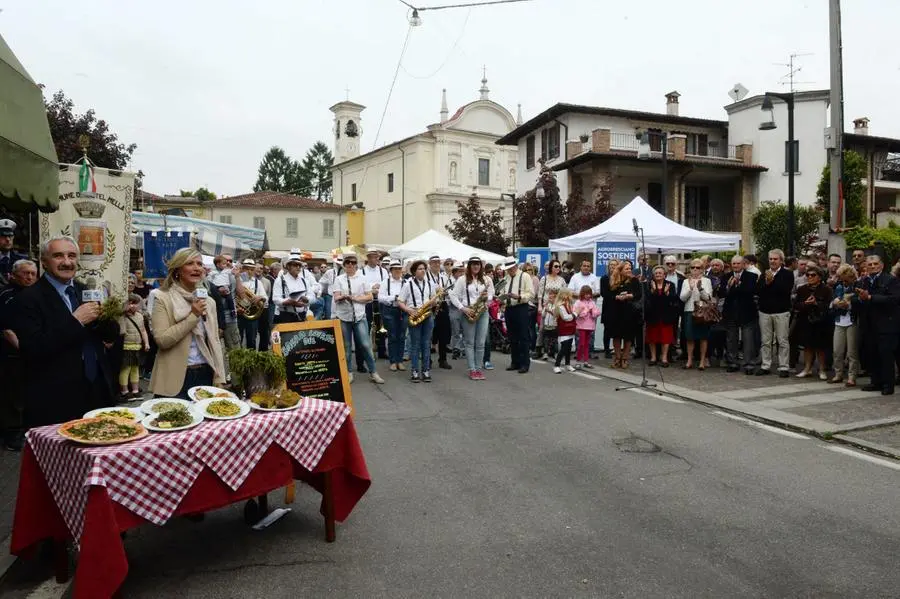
{"type": "Point", "coordinates": [314, 359]}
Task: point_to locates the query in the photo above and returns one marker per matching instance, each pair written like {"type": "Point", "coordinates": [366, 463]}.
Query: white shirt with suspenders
{"type": "Point", "coordinates": [285, 285]}
{"type": "Point", "coordinates": [389, 291]}
{"type": "Point", "coordinates": [416, 292]}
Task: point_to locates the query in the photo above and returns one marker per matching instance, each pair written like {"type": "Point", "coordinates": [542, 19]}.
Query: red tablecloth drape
{"type": "Point", "coordinates": [102, 564]}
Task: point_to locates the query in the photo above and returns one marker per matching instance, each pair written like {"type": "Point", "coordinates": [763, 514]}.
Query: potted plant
{"type": "Point", "coordinates": [255, 371]}
{"type": "Point", "coordinates": [584, 137]}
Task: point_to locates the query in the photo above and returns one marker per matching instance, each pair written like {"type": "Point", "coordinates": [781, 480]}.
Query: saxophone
{"type": "Point", "coordinates": [478, 307]}
{"type": "Point", "coordinates": [426, 309]}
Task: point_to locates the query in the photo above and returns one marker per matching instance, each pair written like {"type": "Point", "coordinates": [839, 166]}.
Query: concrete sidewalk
{"type": "Point", "coordinates": [867, 420]}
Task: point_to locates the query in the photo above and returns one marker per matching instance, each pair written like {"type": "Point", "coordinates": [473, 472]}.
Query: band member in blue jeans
{"type": "Point", "coordinates": [395, 319]}
{"type": "Point", "coordinates": [414, 300]}
{"type": "Point", "coordinates": [351, 294]}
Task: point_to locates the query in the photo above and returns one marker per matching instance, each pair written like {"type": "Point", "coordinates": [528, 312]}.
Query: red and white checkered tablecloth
{"type": "Point", "coordinates": [151, 476]}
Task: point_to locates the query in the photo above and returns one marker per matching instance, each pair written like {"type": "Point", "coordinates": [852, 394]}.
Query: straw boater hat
{"type": "Point", "coordinates": [248, 262]}
{"type": "Point", "coordinates": [395, 264]}
{"type": "Point", "coordinates": [474, 259]}
{"type": "Point", "coordinates": [293, 257]}
{"type": "Point", "coordinates": [508, 263]}
{"type": "Point", "coordinates": [434, 257]}
{"type": "Point", "coordinates": [386, 260]}
{"type": "Point", "coordinates": [372, 250]}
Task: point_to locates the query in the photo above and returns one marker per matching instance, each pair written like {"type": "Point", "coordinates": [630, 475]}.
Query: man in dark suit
{"type": "Point", "coordinates": [880, 302]}
{"type": "Point", "coordinates": [739, 313]}
{"type": "Point", "coordinates": [66, 370]}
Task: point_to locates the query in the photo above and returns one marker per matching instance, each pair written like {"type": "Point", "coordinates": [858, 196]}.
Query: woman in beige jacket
{"type": "Point", "coordinates": [186, 330]}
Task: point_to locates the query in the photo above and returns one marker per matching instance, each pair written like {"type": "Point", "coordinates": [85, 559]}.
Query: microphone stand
{"type": "Point", "coordinates": [644, 384]}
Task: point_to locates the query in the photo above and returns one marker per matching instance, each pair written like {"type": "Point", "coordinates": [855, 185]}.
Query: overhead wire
{"type": "Point", "coordinates": [449, 53]}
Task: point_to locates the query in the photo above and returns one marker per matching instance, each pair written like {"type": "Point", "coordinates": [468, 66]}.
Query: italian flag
{"type": "Point", "coordinates": [86, 178]}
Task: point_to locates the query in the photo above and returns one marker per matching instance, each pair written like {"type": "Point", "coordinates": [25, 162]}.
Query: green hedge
{"type": "Point", "coordinates": [868, 237]}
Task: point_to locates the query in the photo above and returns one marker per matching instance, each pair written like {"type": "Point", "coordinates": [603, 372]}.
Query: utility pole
{"type": "Point", "coordinates": [836, 159]}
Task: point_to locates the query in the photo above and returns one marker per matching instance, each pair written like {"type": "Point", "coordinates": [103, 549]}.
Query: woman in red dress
{"type": "Point", "coordinates": [661, 314]}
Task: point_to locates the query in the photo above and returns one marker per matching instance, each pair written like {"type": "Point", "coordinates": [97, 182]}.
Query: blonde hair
{"type": "Point", "coordinates": [845, 269]}
{"type": "Point", "coordinates": [564, 296]}
{"type": "Point", "coordinates": [618, 275]}
{"type": "Point", "coordinates": [179, 259]}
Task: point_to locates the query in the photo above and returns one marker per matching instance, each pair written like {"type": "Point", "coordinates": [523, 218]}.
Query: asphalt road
{"type": "Point", "coordinates": [544, 485]}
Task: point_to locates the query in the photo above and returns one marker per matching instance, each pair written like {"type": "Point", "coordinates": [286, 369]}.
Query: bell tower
{"type": "Point", "coordinates": [347, 130]}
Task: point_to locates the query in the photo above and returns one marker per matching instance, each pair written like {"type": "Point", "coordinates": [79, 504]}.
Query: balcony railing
{"type": "Point", "coordinates": [623, 141]}
{"type": "Point", "coordinates": [724, 151]}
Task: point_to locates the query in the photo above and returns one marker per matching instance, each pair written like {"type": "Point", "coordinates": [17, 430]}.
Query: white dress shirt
{"type": "Point", "coordinates": [464, 295]}
{"type": "Point", "coordinates": [259, 288]}
{"type": "Point", "coordinates": [389, 291]}
{"type": "Point", "coordinates": [285, 285]}
{"type": "Point", "coordinates": [579, 280]}
{"type": "Point", "coordinates": [350, 311]}
{"type": "Point", "coordinates": [416, 292]}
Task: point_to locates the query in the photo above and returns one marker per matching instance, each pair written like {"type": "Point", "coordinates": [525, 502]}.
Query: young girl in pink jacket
{"type": "Point", "coordinates": [586, 314]}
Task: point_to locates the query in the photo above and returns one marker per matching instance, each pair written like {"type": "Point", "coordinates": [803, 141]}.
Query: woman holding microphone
{"type": "Point", "coordinates": [186, 330]}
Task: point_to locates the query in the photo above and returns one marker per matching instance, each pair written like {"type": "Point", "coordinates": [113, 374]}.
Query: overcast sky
{"type": "Point", "coordinates": [205, 88]}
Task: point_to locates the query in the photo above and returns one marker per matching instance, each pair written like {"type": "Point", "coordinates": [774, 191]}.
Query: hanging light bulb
{"type": "Point", "coordinates": [415, 20]}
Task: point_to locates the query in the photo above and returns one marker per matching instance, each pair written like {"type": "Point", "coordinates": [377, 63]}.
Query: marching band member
{"type": "Point", "coordinates": [419, 290]}
{"type": "Point", "coordinates": [351, 296]}
{"type": "Point", "coordinates": [326, 283]}
{"type": "Point", "coordinates": [519, 291]}
{"type": "Point", "coordinates": [471, 294]}
{"type": "Point", "coordinates": [440, 280]}
{"type": "Point", "coordinates": [375, 275]}
{"type": "Point", "coordinates": [250, 328]}
{"type": "Point", "coordinates": [457, 342]}
{"type": "Point", "coordinates": [291, 293]}
{"type": "Point", "coordinates": [394, 317]}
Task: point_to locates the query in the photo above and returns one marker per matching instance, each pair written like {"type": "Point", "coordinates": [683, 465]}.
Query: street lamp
{"type": "Point", "coordinates": [512, 198]}
{"type": "Point", "coordinates": [644, 153]}
{"type": "Point", "coordinates": [768, 124]}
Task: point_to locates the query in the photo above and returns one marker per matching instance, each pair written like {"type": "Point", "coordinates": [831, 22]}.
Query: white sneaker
{"type": "Point", "coordinates": [351, 377]}
{"type": "Point", "coordinates": [823, 376]}
{"type": "Point", "coordinates": [557, 370]}
{"type": "Point", "coordinates": [570, 368]}
{"type": "Point", "coordinates": [375, 378]}
{"type": "Point", "coordinates": [577, 364]}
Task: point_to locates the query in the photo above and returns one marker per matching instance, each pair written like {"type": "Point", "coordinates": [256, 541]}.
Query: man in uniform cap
{"type": "Point", "coordinates": [375, 276]}
{"type": "Point", "coordinates": [442, 327]}
{"type": "Point", "coordinates": [519, 290]}
{"type": "Point", "coordinates": [7, 256]}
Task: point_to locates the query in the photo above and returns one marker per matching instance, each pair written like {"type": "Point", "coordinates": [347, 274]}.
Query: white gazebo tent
{"type": "Point", "coordinates": [431, 242]}
{"type": "Point", "coordinates": [659, 233]}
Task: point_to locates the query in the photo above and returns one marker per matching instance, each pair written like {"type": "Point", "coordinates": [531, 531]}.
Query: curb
{"type": "Point", "coordinates": [6, 559]}
{"type": "Point", "coordinates": [706, 399]}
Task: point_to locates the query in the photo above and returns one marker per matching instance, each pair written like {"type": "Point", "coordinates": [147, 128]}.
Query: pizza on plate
{"type": "Point", "coordinates": [102, 430]}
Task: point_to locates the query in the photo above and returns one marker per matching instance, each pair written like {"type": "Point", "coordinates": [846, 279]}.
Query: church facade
{"type": "Point", "coordinates": [412, 185]}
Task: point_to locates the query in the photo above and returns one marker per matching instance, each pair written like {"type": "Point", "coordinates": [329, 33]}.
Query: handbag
{"type": "Point", "coordinates": [706, 311]}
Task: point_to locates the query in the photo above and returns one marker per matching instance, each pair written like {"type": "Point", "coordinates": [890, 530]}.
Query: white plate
{"type": "Point", "coordinates": [136, 412]}
{"type": "Point", "coordinates": [201, 406]}
{"type": "Point", "coordinates": [192, 392]}
{"type": "Point", "coordinates": [147, 406]}
{"type": "Point", "coordinates": [198, 418]}
{"type": "Point", "coordinates": [253, 406]}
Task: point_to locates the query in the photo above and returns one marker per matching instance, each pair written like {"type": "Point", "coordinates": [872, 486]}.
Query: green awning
{"type": "Point", "coordinates": [29, 173]}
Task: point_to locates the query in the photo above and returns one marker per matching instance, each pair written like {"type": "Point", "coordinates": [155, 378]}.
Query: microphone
{"type": "Point", "coordinates": [201, 293]}
{"type": "Point", "coordinates": [634, 223]}
{"type": "Point", "coordinates": [92, 291]}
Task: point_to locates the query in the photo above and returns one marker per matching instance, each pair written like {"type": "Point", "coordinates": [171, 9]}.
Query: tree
{"type": "Point", "coordinates": [539, 219]}
{"type": "Point", "coordinates": [582, 213]}
{"type": "Point", "coordinates": [770, 227]}
{"type": "Point", "coordinates": [316, 171]}
{"type": "Point", "coordinates": [105, 149]}
{"type": "Point", "coordinates": [277, 172]}
{"type": "Point", "coordinates": [473, 226]}
{"type": "Point", "coordinates": [854, 190]}
{"type": "Point", "coordinates": [202, 194]}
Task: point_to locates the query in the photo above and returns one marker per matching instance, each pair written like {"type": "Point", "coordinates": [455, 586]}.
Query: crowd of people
{"type": "Point", "coordinates": [817, 316]}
